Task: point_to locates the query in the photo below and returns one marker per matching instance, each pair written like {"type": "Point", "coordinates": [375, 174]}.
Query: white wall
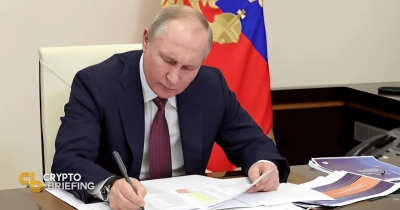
{"type": "Point", "coordinates": [24, 27]}
{"type": "Point", "coordinates": [314, 42]}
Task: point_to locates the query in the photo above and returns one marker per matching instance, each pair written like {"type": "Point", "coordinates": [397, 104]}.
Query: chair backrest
{"type": "Point", "coordinates": [57, 68]}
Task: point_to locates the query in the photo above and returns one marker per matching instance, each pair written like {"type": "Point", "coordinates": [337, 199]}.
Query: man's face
{"type": "Point", "coordinates": [172, 60]}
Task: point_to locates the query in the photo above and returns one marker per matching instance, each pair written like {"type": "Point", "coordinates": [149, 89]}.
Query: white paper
{"type": "Point", "coordinates": [194, 191]}
{"type": "Point", "coordinates": [208, 193]}
{"type": "Point", "coordinates": [321, 180]}
{"type": "Point", "coordinates": [287, 206]}
{"type": "Point", "coordinates": [286, 193]}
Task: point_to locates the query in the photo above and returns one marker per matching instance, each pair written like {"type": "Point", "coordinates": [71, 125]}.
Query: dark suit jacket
{"type": "Point", "coordinates": [105, 113]}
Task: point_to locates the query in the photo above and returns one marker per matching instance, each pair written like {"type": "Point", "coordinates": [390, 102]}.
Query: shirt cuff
{"type": "Point", "coordinates": [266, 161]}
{"type": "Point", "coordinates": [96, 192]}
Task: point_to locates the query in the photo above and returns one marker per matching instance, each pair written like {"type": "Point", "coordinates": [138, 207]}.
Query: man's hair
{"type": "Point", "coordinates": [175, 12]}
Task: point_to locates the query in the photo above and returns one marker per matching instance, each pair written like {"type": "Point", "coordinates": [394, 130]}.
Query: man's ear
{"type": "Point", "coordinates": [146, 39]}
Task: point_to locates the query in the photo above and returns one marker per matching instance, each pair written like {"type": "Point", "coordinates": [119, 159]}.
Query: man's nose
{"type": "Point", "coordinates": [173, 75]}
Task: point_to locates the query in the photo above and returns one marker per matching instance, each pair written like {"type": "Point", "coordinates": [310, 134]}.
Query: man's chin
{"type": "Point", "coordinates": [167, 93]}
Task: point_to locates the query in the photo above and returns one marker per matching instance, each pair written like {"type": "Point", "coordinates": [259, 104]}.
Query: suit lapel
{"type": "Point", "coordinates": [190, 113]}
{"type": "Point", "coordinates": [131, 107]}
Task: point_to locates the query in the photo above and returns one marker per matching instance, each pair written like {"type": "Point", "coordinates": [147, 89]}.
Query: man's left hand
{"type": "Point", "coordinates": [268, 183]}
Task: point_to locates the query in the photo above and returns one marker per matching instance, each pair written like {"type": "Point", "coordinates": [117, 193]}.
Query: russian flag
{"type": "Point", "coordinates": [239, 50]}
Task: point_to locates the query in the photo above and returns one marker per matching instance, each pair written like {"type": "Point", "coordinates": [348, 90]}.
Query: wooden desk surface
{"type": "Point", "coordinates": [332, 92]}
{"type": "Point", "coordinates": [25, 199]}
{"type": "Point", "coordinates": [371, 88]}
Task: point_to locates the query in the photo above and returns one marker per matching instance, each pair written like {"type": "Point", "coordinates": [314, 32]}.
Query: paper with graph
{"type": "Point", "coordinates": [200, 192]}
{"type": "Point", "coordinates": [194, 192]}
{"type": "Point", "coordinates": [347, 188]}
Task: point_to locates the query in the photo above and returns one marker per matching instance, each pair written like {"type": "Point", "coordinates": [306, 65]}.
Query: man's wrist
{"type": "Point", "coordinates": [266, 161]}
{"type": "Point", "coordinates": [102, 188]}
{"type": "Point", "coordinates": [105, 190]}
{"type": "Point", "coordinates": [110, 182]}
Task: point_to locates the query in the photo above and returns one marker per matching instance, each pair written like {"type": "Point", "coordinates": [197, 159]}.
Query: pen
{"type": "Point", "coordinates": [122, 168]}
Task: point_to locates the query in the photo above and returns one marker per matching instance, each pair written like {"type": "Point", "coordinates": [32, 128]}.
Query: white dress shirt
{"type": "Point", "coordinates": [171, 114]}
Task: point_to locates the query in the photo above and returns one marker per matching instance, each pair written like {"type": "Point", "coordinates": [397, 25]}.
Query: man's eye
{"type": "Point", "coordinates": [169, 62]}
{"type": "Point", "coordinates": [189, 69]}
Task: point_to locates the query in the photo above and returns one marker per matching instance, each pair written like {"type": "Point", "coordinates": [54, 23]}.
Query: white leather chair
{"type": "Point", "coordinates": [57, 68]}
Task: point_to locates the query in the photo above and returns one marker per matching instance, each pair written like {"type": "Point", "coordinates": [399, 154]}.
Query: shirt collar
{"type": "Point", "coordinates": [148, 94]}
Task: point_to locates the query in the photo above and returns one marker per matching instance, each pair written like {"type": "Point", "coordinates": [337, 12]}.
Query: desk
{"type": "Point", "coordinates": [372, 88]}
{"type": "Point", "coordinates": [365, 94]}
{"type": "Point", "coordinates": [308, 119]}
{"type": "Point", "coordinates": [357, 96]}
{"type": "Point", "coordinates": [25, 199]}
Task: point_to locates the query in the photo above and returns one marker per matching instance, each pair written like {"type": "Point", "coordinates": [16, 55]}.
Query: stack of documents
{"type": "Point", "coordinates": [363, 165]}
{"type": "Point", "coordinates": [347, 188]}
{"type": "Point", "coordinates": [200, 192]}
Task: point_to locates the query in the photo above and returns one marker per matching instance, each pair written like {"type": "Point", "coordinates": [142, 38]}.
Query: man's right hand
{"type": "Point", "coordinates": [122, 195]}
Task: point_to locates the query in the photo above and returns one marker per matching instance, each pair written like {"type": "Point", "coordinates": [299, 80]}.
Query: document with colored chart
{"type": "Point", "coordinates": [195, 192]}
{"type": "Point", "coordinates": [363, 165]}
{"type": "Point", "coordinates": [183, 195]}
{"type": "Point", "coordinates": [200, 192]}
{"type": "Point", "coordinates": [347, 188]}
{"type": "Point", "coordinates": [177, 193]}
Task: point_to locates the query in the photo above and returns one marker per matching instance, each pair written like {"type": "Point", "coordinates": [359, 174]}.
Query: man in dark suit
{"type": "Point", "coordinates": [162, 111]}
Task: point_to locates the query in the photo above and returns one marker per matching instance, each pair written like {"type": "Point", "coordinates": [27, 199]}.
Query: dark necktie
{"type": "Point", "coordinates": [160, 149]}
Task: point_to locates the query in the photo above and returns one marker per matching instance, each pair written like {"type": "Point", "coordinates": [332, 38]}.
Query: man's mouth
{"type": "Point", "coordinates": [166, 87]}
